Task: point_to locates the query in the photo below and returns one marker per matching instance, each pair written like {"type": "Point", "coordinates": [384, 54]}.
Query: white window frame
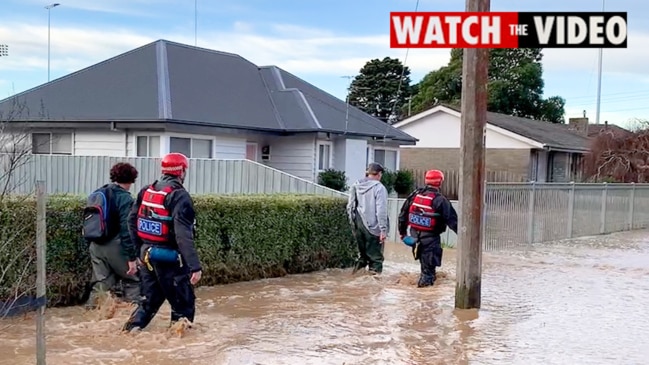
{"type": "Point", "coordinates": [397, 158]}
{"type": "Point", "coordinates": [191, 144]}
{"type": "Point", "coordinates": [71, 153]}
{"type": "Point", "coordinates": [148, 135]}
{"type": "Point", "coordinates": [317, 160]}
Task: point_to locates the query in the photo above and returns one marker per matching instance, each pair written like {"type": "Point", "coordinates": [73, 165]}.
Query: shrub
{"type": "Point", "coordinates": [404, 182]}
{"type": "Point", "coordinates": [388, 179]}
{"type": "Point", "coordinates": [239, 238]}
{"type": "Point", "coordinates": [68, 263]}
{"type": "Point", "coordinates": [333, 179]}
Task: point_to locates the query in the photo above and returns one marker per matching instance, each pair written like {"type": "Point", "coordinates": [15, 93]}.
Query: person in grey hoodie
{"type": "Point", "coordinates": [367, 208]}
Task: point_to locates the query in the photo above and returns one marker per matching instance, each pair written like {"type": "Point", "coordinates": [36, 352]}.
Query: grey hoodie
{"type": "Point", "coordinates": [372, 198]}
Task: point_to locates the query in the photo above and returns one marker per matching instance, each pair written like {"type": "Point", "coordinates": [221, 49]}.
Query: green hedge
{"type": "Point", "coordinates": [239, 238]}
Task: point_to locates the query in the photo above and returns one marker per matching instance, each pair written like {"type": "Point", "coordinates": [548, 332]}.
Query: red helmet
{"type": "Point", "coordinates": [434, 177]}
{"type": "Point", "coordinates": [174, 164]}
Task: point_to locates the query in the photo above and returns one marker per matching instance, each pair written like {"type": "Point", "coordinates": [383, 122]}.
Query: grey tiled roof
{"type": "Point", "coordinates": [167, 81]}
{"type": "Point", "coordinates": [549, 134]}
{"type": "Point", "coordinates": [596, 129]}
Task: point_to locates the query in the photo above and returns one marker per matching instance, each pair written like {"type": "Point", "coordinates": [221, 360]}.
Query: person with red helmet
{"type": "Point", "coordinates": [162, 224]}
{"type": "Point", "coordinates": [428, 213]}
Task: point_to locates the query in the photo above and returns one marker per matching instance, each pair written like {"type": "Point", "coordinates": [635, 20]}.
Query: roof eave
{"type": "Point", "coordinates": [409, 141]}
{"type": "Point", "coordinates": [565, 149]}
{"type": "Point", "coordinates": [123, 123]}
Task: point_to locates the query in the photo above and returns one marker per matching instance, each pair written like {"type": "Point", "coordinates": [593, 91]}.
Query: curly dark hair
{"type": "Point", "coordinates": [123, 173]}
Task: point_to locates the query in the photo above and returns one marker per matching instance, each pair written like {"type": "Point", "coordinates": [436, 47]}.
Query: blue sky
{"type": "Point", "coordinates": [319, 41]}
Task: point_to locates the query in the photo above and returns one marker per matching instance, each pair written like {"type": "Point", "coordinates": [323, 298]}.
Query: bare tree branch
{"type": "Point", "coordinates": [17, 246]}
{"type": "Point", "coordinates": [619, 157]}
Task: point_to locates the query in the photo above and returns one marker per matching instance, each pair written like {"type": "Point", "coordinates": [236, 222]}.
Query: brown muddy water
{"type": "Point", "coordinates": [576, 302]}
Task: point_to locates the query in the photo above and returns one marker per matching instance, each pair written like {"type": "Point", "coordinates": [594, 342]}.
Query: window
{"type": "Point", "coordinates": [148, 146]}
{"type": "Point", "coordinates": [181, 145]}
{"type": "Point", "coordinates": [387, 158]}
{"type": "Point", "coordinates": [576, 167]}
{"type": "Point", "coordinates": [191, 147]}
{"type": "Point", "coordinates": [558, 167]}
{"type": "Point", "coordinates": [324, 156]}
{"type": "Point", "coordinates": [251, 151]}
{"type": "Point", "coordinates": [52, 143]}
{"type": "Point", "coordinates": [201, 148]}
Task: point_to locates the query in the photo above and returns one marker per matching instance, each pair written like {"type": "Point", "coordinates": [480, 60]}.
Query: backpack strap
{"type": "Point", "coordinates": [112, 217]}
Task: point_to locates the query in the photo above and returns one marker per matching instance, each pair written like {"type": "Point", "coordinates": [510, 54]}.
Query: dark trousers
{"type": "Point", "coordinates": [429, 253]}
{"type": "Point", "coordinates": [370, 249]}
{"type": "Point", "coordinates": [109, 267]}
{"type": "Point", "coordinates": [165, 281]}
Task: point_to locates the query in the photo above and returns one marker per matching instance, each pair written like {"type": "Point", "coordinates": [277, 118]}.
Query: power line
{"type": "Point", "coordinates": [611, 94]}
{"type": "Point", "coordinates": [614, 100]}
{"type": "Point", "coordinates": [626, 109]}
{"type": "Point", "coordinates": [396, 98]}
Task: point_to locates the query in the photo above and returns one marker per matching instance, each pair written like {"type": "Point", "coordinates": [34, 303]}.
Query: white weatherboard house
{"type": "Point", "coordinates": [169, 97]}
{"type": "Point", "coordinates": [540, 150]}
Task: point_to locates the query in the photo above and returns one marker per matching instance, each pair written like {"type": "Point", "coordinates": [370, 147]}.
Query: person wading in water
{"type": "Point", "coordinates": [367, 209]}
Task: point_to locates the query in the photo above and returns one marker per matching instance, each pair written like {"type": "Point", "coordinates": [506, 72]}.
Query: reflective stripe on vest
{"type": "Point", "coordinates": [421, 213]}
{"type": "Point", "coordinates": [154, 221]}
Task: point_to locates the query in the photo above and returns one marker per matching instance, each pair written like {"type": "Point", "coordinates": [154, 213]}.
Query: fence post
{"type": "Point", "coordinates": [602, 218]}
{"type": "Point", "coordinates": [571, 208]}
{"type": "Point", "coordinates": [41, 246]}
{"type": "Point", "coordinates": [530, 214]}
{"type": "Point", "coordinates": [484, 216]}
{"type": "Point", "coordinates": [631, 205]}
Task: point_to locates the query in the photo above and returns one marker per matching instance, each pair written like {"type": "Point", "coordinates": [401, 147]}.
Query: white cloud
{"type": "Point", "coordinates": [72, 48]}
{"type": "Point", "coordinates": [292, 30]}
{"type": "Point", "coordinates": [243, 27]}
{"type": "Point", "coordinates": [123, 7]}
{"type": "Point", "coordinates": [630, 60]}
{"type": "Point", "coordinates": [296, 48]}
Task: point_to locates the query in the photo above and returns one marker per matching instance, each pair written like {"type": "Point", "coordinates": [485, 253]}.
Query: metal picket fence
{"type": "Point", "coordinates": [518, 214]}
{"type": "Point", "coordinates": [529, 213]}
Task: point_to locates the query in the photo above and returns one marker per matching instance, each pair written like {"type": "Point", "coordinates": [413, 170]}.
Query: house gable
{"type": "Point", "coordinates": [551, 136]}
{"type": "Point", "coordinates": [440, 127]}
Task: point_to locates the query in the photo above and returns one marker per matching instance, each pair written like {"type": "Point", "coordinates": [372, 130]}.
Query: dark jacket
{"type": "Point", "coordinates": [124, 202]}
{"type": "Point", "coordinates": [441, 205]}
{"type": "Point", "coordinates": [181, 206]}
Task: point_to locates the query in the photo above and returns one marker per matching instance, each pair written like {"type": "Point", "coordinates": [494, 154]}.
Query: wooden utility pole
{"type": "Point", "coordinates": [475, 66]}
{"type": "Point", "coordinates": [41, 245]}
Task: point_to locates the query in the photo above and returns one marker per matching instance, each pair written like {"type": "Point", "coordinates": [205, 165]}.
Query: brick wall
{"type": "Point", "coordinates": [511, 160]}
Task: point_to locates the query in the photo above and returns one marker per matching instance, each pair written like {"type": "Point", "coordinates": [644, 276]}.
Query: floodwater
{"type": "Point", "coordinates": [576, 302]}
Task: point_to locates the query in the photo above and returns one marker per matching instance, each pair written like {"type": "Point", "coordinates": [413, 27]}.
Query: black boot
{"type": "Point", "coordinates": [427, 279]}
{"type": "Point", "coordinates": [138, 320]}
